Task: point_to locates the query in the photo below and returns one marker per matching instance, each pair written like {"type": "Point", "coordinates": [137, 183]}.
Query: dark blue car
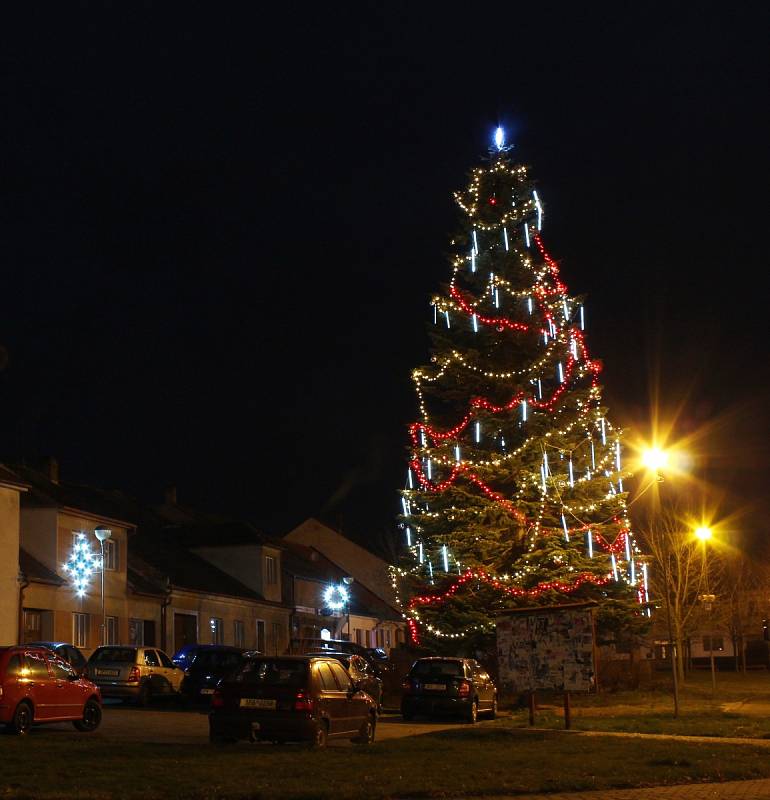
{"type": "Point", "coordinates": [204, 666]}
{"type": "Point", "coordinates": [67, 651]}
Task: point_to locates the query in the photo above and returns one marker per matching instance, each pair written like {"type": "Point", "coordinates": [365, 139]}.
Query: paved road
{"type": "Point", "coordinates": [170, 725]}
{"type": "Point", "coordinates": [730, 790]}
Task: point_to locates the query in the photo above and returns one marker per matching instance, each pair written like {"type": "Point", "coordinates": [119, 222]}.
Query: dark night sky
{"type": "Point", "coordinates": [220, 230]}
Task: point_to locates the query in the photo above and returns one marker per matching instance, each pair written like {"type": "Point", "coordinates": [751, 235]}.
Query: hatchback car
{"type": "Point", "coordinates": [291, 698]}
{"type": "Point", "coordinates": [37, 686]}
{"type": "Point", "coordinates": [71, 654]}
{"type": "Point", "coordinates": [204, 666]}
{"type": "Point", "coordinates": [459, 686]}
{"type": "Point", "coordinates": [134, 673]}
{"type": "Point", "coordinates": [361, 673]}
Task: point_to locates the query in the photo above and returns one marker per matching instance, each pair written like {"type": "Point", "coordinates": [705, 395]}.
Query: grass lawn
{"type": "Point", "coordinates": [740, 708]}
{"type": "Point", "coordinates": [496, 759]}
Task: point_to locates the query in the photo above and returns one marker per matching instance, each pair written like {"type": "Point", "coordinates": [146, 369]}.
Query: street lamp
{"type": "Point", "coordinates": [654, 458]}
{"type": "Point", "coordinates": [348, 580]}
{"type": "Point", "coordinates": [102, 534]}
{"type": "Point", "coordinates": [704, 533]}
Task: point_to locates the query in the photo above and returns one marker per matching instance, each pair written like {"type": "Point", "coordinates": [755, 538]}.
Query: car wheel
{"type": "Point", "coordinates": [92, 716]}
{"type": "Point", "coordinates": [145, 695]}
{"type": "Point", "coordinates": [321, 736]}
{"type": "Point", "coordinates": [22, 719]}
{"type": "Point", "coordinates": [472, 715]}
{"type": "Point", "coordinates": [493, 710]}
{"type": "Point", "coordinates": [366, 732]}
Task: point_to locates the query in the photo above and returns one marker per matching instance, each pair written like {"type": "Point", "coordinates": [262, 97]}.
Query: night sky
{"type": "Point", "coordinates": [221, 228]}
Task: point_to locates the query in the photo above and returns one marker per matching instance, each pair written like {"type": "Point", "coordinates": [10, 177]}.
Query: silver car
{"type": "Point", "coordinates": [134, 673]}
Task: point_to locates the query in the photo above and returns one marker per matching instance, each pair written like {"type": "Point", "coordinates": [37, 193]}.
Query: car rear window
{"type": "Point", "coordinates": [211, 659]}
{"type": "Point", "coordinates": [424, 669]}
{"type": "Point", "coordinates": [273, 672]}
{"type": "Point", "coordinates": [123, 655]}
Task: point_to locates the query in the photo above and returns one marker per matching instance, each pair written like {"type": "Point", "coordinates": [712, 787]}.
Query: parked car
{"type": "Point", "coordinates": [204, 666]}
{"type": "Point", "coordinates": [68, 652]}
{"type": "Point", "coordinates": [459, 686]}
{"type": "Point", "coordinates": [134, 673]}
{"type": "Point", "coordinates": [291, 698]}
{"type": "Point", "coordinates": [37, 686]}
{"type": "Point", "coordinates": [361, 673]}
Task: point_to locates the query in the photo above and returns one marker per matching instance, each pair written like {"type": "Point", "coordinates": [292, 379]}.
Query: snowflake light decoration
{"type": "Point", "coordinates": [82, 564]}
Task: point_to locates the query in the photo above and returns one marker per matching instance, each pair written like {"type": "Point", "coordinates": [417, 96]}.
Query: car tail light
{"type": "Point", "coordinates": [463, 689]}
{"type": "Point", "coordinates": [217, 699]}
{"type": "Point", "coordinates": [133, 675]}
{"type": "Point", "coordinates": [303, 702]}
{"type": "Point", "coordinates": [1, 690]}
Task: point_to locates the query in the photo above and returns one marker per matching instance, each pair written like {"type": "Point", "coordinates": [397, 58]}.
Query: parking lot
{"type": "Point", "coordinates": [168, 724]}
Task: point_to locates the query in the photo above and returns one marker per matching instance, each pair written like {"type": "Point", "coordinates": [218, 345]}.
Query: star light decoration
{"type": "Point", "coordinates": [336, 597]}
{"type": "Point", "coordinates": [82, 564]}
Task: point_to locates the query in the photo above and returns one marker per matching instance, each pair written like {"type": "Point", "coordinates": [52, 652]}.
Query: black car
{"type": "Point", "coordinates": [204, 667]}
{"type": "Point", "coordinates": [361, 673]}
{"type": "Point", "coordinates": [68, 652]}
{"type": "Point", "coordinates": [291, 698]}
{"type": "Point", "coordinates": [459, 686]}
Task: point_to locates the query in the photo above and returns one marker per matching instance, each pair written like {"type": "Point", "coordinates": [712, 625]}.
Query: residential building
{"type": "Point", "coordinates": [11, 487]}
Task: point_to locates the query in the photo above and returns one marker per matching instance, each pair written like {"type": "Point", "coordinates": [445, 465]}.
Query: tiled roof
{"type": "Point", "coordinates": [33, 570]}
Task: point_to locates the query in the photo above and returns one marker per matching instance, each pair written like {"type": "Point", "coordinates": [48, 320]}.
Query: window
{"type": "Point", "coordinates": [80, 629]}
{"type": "Point", "coordinates": [380, 637]}
{"type": "Point", "coordinates": [136, 632]}
{"type": "Point", "coordinates": [387, 638]}
{"type": "Point", "coordinates": [151, 658]}
{"type": "Point", "coordinates": [713, 643]}
{"type": "Point", "coordinates": [261, 635]}
{"type": "Point", "coordinates": [327, 679]}
{"type": "Point", "coordinates": [342, 677]}
{"type": "Point", "coordinates": [217, 631]}
{"type": "Point", "coordinates": [61, 670]}
{"type": "Point", "coordinates": [359, 636]}
{"type": "Point", "coordinates": [165, 661]}
{"type": "Point", "coordinates": [36, 666]}
{"type": "Point", "coordinates": [270, 572]}
{"type": "Point", "coordinates": [275, 635]}
{"type": "Point", "coordinates": [111, 630]}
{"type": "Point", "coordinates": [239, 634]}
{"type": "Point", "coordinates": [372, 638]}
{"type": "Point", "coordinates": [110, 554]}
{"type": "Point", "coordinates": [33, 625]}
{"type": "Point", "coordinates": [14, 669]}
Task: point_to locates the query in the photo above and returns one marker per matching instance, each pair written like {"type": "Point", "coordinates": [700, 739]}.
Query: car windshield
{"type": "Point", "coordinates": [213, 659]}
{"type": "Point", "coordinates": [273, 672]}
{"type": "Point", "coordinates": [124, 655]}
{"type": "Point", "coordinates": [425, 669]}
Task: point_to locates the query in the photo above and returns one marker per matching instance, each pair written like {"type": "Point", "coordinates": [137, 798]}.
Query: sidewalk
{"type": "Point", "coordinates": [731, 790]}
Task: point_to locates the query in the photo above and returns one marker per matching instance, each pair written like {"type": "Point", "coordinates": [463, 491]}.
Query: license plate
{"type": "Point", "coordinates": [108, 673]}
{"type": "Point", "coordinates": [207, 691]}
{"type": "Point", "coordinates": [436, 687]}
{"type": "Point", "coordinates": [254, 702]}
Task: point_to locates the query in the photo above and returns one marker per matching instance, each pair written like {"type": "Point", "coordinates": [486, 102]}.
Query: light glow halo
{"type": "Point", "coordinates": [336, 596]}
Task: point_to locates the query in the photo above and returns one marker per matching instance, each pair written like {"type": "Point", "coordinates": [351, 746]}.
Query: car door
{"type": "Point", "coordinates": [151, 670]}
{"type": "Point", "coordinates": [169, 671]}
{"type": "Point", "coordinates": [42, 688]}
{"type": "Point", "coordinates": [329, 706]}
{"type": "Point", "coordinates": [351, 703]}
{"type": "Point", "coordinates": [69, 699]}
{"type": "Point", "coordinates": [481, 683]}
{"type": "Point", "coordinates": [364, 678]}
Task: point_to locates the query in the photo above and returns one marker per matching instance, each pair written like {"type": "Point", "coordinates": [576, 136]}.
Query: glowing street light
{"type": "Point", "coordinates": [704, 533]}
{"type": "Point", "coordinates": [654, 459]}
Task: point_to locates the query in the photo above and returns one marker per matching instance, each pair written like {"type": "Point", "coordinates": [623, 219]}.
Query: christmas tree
{"type": "Point", "coordinates": [515, 486]}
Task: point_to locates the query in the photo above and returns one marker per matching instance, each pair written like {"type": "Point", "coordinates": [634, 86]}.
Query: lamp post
{"type": "Point", "coordinates": [704, 534]}
{"type": "Point", "coordinates": [102, 534]}
{"type": "Point", "coordinates": [348, 580]}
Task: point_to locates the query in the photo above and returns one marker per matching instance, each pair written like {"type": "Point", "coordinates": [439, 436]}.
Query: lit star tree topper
{"type": "Point", "coordinates": [514, 492]}
{"type": "Point", "coordinates": [82, 565]}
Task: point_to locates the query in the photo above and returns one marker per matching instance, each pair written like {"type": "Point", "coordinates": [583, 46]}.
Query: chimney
{"type": "Point", "coordinates": [170, 495]}
{"type": "Point", "coordinates": [53, 470]}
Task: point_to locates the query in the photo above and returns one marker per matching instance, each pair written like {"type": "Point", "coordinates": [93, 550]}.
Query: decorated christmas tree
{"type": "Point", "coordinates": [514, 492]}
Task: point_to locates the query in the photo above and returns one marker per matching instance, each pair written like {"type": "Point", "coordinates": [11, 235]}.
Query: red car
{"type": "Point", "coordinates": [37, 686]}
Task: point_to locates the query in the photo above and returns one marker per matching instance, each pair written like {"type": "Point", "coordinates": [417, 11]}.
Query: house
{"type": "Point", "coordinates": [363, 565]}
{"type": "Point", "coordinates": [11, 487]}
{"type": "Point", "coordinates": [326, 603]}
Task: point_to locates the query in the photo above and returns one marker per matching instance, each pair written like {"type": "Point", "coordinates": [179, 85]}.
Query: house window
{"type": "Point", "coordinates": [713, 643]}
{"type": "Point", "coordinates": [372, 638]}
{"type": "Point", "coordinates": [270, 572]}
{"type": "Point", "coordinates": [33, 625]}
{"type": "Point", "coordinates": [217, 631]}
{"type": "Point", "coordinates": [80, 629]}
{"type": "Point", "coordinates": [239, 634]}
{"type": "Point", "coordinates": [136, 632]}
{"type": "Point", "coordinates": [380, 637]}
{"type": "Point", "coordinates": [111, 630]}
{"type": "Point", "coordinates": [275, 636]}
{"type": "Point", "coordinates": [261, 635]}
{"type": "Point", "coordinates": [387, 638]}
{"type": "Point", "coordinates": [110, 554]}
{"type": "Point", "coordinates": [359, 636]}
